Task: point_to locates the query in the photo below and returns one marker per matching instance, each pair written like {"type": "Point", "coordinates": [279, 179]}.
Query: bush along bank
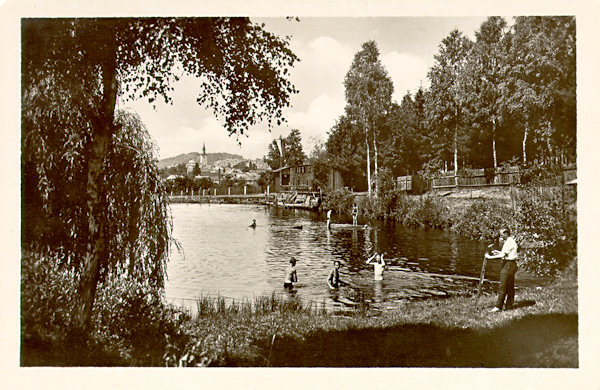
{"type": "Point", "coordinates": [132, 324]}
{"type": "Point", "coordinates": [544, 227]}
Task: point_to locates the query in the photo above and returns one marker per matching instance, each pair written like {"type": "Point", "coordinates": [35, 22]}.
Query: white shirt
{"type": "Point", "coordinates": [509, 249]}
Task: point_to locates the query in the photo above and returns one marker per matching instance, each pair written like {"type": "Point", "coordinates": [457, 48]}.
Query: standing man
{"type": "Point", "coordinates": [354, 214]}
{"type": "Point", "coordinates": [508, 254]}
{"type": "Point", "coordinates": [329, 219]}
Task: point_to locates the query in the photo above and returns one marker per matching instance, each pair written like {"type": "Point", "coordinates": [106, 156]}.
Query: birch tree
{"type": "Point", "coordinates": [369, 97]}
{"type": "Point", "coordinates": [446, 98]}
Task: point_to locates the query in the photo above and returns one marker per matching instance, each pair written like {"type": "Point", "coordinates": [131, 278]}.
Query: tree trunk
{"type": "Point", "coordinates": [96, 208]}
{"type": "Point", "coordinates": [456, 148]}
{"type": "Point", "coordinates": [376, 166]}
{"type": "Point", "coordinates": [525, 143]}
{"type": "Point", "coordinates": [368, 163]}
{"type": "Point", "coordinates": [494, 142]}
{"type": "Point", "coordinates": [456, 157]}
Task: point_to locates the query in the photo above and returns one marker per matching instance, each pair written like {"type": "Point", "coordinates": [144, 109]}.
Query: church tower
{"type": "Point", "coordinates": [203, 157]}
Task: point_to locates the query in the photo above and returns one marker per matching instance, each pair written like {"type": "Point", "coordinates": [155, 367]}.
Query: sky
{"type": "Point", "coordinates": [326, 47]}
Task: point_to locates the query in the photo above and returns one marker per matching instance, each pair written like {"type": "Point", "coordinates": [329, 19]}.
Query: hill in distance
{"type": "Point", "coordinates": [184, 158]}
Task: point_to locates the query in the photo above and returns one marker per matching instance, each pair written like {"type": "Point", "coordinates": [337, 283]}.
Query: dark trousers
{"type": "Point", "coordinates": [507, 284]}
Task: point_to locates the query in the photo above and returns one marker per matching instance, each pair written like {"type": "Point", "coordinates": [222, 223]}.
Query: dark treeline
{"type": "Point", "coordinates": [508, 97]}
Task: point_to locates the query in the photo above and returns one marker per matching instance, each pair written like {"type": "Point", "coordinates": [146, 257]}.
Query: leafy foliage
{"type": "Point", "coordinates": [485, 80]}
{"type": "Point", "coordinates": [446, 103]}
{"type": "Point", "coordinates": [368, 91]}
{"type": "Point", "coordinates": [542, 79]}
{"type": "Point", "coordinates": [54, 193]}
{"type": "Point", "coordinates": [482, 219]}
{"type": "Point", "coordinates": [241, 68]}
{"type": "Point", "coordinates": [292, 153]}
{"type": "Point", "coordinates": [340, 200]}
{"type": "Point", "coordinates": [346, 150]}
{"type": "Point", "coordinates": [548, 227]}
{"type": "Point", "coordinates": [133, 325]}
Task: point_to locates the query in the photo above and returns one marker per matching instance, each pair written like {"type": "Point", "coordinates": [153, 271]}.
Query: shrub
{"type": "Point", "coordinates": [371, 206]}
{"type": "Point", "coordinates": [428, 212]}
{"type": "Point", "coordinates": [482, 219]}
{"type": "Point", "coordinates": [48, 296]}
{"type": "Point", "coordinates": [340, 200]}
{"type": "Point", "coordinates": [548, 228]}
{"type": "Point", "coordinates": [131, 323]}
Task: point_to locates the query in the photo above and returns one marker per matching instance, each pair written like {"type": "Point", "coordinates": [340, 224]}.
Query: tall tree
{"type": "Point", "coordinates": [274, 157]}
{"type": "Point", "coordinates": [485, 81]}
{"type": "Point", "coordinates": [369, 96]}
{"type": "Point", "coordinates": [287, 152]}
{"type": "Point", "coordinates": [293, 148]}
{"type": "Point", "coordinates": [403, 145]}
{"type": "Point", "coordinates": [542, 82]}
{"type": "Point", "coordinates": [346, 151]}
{"type": "Point", "coordinates": [319, 160]}
{"type": "Point", "coordinates": [447, 99]}
{"type": "Point", "coordinates": [242, 75]}
{"type": "Point", "coordinates": [422, 128]}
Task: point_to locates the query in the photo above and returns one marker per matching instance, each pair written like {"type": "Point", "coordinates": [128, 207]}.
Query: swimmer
{"type": "Point", "coordinates": [378, 265]}
{"type": "Point", "coordinates": [291, 276]}
{"type": "Point", "coordinates": [334, 281]}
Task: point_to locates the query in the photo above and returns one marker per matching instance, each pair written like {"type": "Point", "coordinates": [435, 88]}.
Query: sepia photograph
{"type": "Point", "coordinates": [321, 190]}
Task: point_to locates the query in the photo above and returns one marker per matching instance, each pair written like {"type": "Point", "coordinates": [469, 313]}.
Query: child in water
{"type": "Point", "coordinates": [290, 275]}
{"type": "Point", "coordinates": [378, 265]}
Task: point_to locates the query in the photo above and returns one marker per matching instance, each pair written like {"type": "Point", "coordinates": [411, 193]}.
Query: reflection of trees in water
{"type": "Point", "coordinates": [377, 291]}
{"type": "Point", "coordinates": [454, 251]}
{"type": "Point", "coordinates": [368, 243]}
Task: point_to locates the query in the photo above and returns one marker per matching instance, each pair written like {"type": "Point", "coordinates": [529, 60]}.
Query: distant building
{"type": "Point", "coordinates": [302, 177]}
{"type": "Point", "coordinates": [261, 165]}
{"type": "Point", "coordinates": [190, 166]}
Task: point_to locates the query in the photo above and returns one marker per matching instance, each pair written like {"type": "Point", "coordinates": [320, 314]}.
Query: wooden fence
{"type": "Point", "coordinates": [477, 178]}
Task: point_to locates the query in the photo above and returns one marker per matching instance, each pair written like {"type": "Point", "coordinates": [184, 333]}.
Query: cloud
{"type": "Point", "coordinates": [407, 72]}
{"type": "Point", "coordinates": [324, 63]}
{"type": "Point", "coordinates": [318, 119]}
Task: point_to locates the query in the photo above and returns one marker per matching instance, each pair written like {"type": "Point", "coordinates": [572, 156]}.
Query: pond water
{"type": "Point", "coordinates": [223, 256]}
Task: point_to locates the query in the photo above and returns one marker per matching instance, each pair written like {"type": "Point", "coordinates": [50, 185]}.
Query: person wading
{"type": "Point", "coordinates": [291, 276]}
{"type": "Point", "coordinates": [334, 281]}
{"type": "Point", "coordinates": [378, 265]}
